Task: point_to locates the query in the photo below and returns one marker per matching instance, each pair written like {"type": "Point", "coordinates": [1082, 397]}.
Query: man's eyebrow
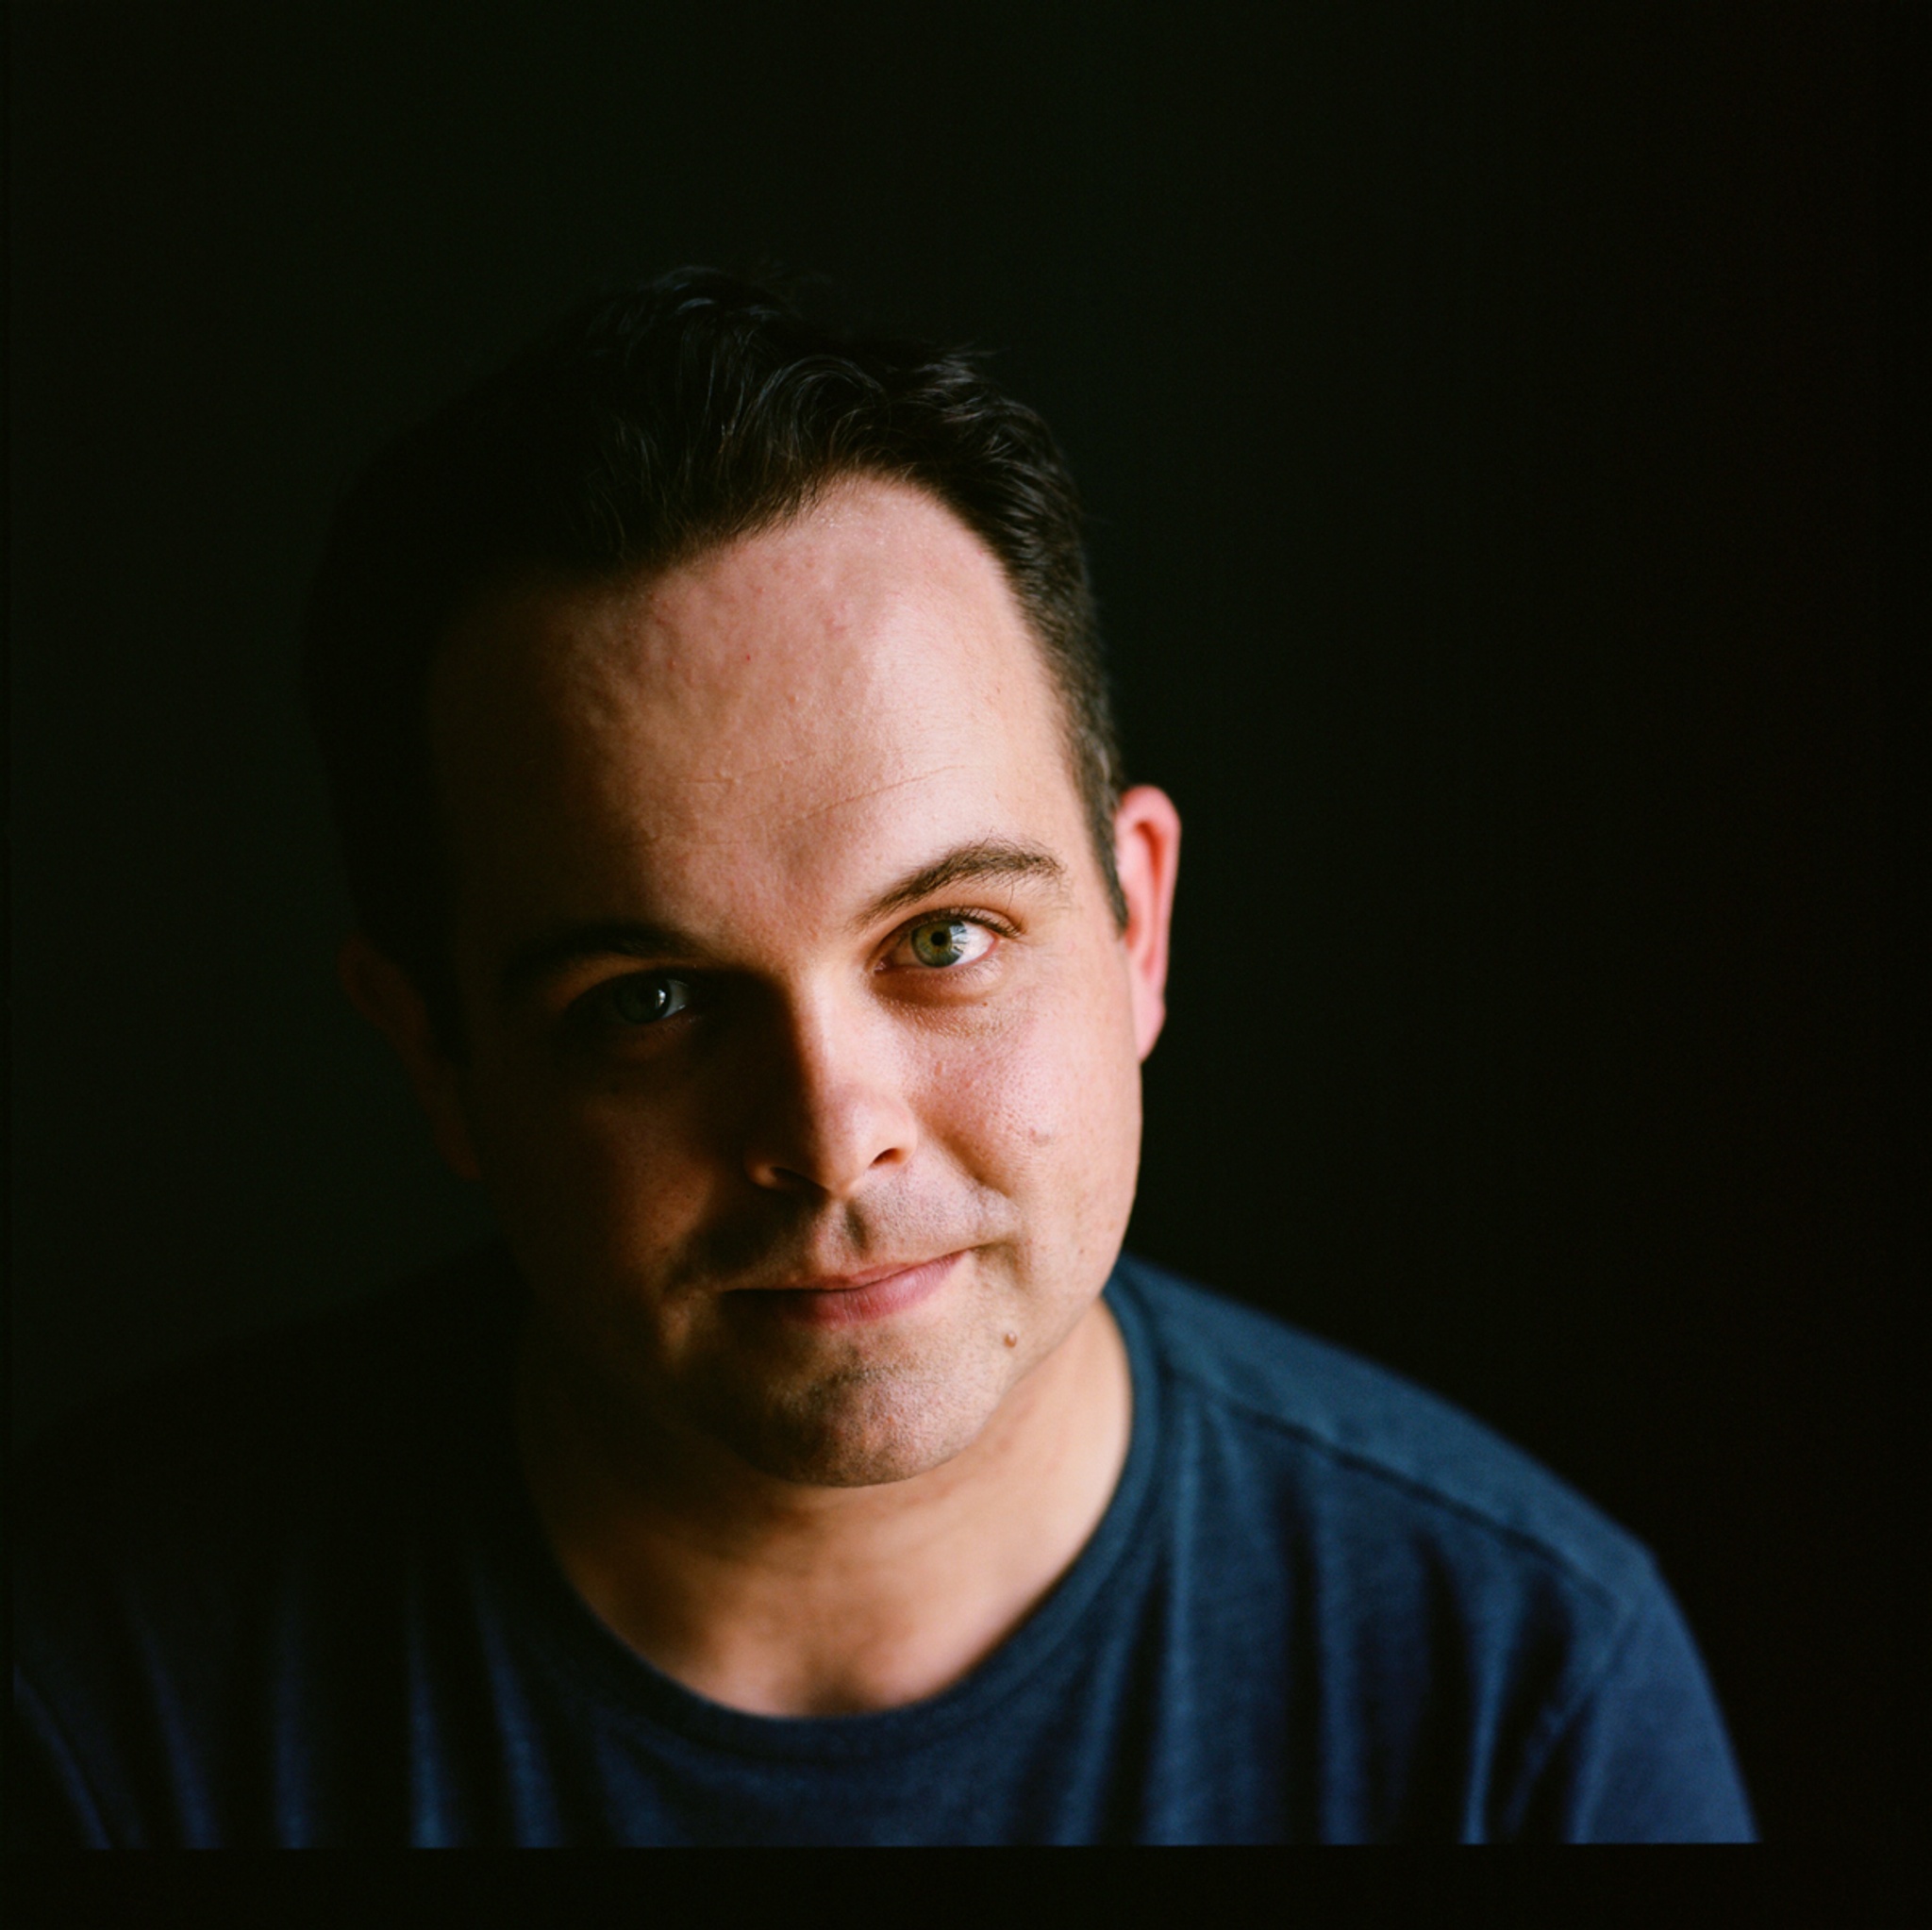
{"type": "Point", "coordinates": [989, 858]}
{"type": "Point", "coordinates": [551, 952]}
{"type": "Point", "coordinates": [530, 964]}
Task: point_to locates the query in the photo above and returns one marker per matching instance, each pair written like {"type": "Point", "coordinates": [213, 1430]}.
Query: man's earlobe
{"type": "Point", "coordinates": [386, 996]}
{"type": "Point", "coordinates": [1147, 848]}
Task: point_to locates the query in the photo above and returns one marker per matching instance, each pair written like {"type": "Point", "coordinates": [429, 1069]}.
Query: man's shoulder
{"type": "Point", "coordinates": [1346, 1422]}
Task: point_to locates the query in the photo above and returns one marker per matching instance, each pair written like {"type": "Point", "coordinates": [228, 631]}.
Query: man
{"type": "Point", "coordinates": [720, 753]}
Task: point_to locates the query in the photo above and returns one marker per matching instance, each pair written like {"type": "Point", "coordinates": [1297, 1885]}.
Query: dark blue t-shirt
{"type": "Point", "coordinates": [297, 1595]}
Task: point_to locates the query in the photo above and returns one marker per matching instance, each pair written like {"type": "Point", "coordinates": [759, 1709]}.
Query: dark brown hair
{"type": "Point", "coordinates": [652, 424]}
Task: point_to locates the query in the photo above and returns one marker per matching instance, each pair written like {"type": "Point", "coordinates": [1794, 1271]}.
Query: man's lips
{"type": "Point", "coordinates": [843, 1299]}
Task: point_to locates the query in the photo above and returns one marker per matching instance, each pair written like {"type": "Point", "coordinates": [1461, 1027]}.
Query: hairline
{"type": "Point", "coordinates": [538, 575]}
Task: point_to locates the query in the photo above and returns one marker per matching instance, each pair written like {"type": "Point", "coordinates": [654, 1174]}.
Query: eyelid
{"type": "Point", "coordinates": [958, 914]}
{"type": "Point", "coordinates": [602, 990]}
{"type": "Point", "coordinates": [999, 928]}
{"type": "Point", "coordinates": [693, 979]}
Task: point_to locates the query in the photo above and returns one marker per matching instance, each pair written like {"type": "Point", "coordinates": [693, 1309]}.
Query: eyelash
{"type": "Point", "coordinates": [596, 1005]}
{"type": "Point", "coordinates": [986, 921]}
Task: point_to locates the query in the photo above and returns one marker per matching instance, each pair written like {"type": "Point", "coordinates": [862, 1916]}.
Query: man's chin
{"type": "Point", "coordinates": [860, 1430]}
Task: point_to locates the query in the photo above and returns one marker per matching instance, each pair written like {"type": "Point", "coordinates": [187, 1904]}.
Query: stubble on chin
{"type": "Point", "coordinates": [860, 1423]}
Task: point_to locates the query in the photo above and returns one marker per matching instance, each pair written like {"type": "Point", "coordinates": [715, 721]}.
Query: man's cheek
{"type": "Point", "coordinates": [597, 1172]}
{"type": "Point", "coordinates": [643, 1163]}
{"type": "Point", "coordinates": [1012, 1108]}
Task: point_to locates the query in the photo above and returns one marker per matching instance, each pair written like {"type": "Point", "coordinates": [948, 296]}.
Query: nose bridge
{"type": "Point", "coordinates": [828, 1110]}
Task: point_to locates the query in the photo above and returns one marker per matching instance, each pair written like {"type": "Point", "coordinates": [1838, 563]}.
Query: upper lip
{"type": "Point", "coordinates": [844, 1283]}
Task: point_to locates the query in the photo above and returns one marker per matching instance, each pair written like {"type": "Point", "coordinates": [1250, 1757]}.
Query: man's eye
{"type": "Point", "coordinates": [949, 941]}
{"type": "Point", "coordinates": [645, 998]}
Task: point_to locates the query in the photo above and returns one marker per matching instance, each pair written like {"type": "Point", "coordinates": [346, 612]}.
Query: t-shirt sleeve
{"type": "Point", "coordinates": [48, 1804]}
{"type": "Point", "coordinates": [1641, 1755]}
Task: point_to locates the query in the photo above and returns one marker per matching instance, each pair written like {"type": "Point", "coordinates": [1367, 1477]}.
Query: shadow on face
{"type": "Point", "coordinates": [803, 1041]}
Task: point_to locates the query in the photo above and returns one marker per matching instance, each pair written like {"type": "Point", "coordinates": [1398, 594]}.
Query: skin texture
{"type": "Point", "coordinates": [724, 1041]}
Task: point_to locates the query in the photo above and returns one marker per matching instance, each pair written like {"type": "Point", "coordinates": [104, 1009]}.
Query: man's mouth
{"type": "Point", "coordinates": [840, 1299]}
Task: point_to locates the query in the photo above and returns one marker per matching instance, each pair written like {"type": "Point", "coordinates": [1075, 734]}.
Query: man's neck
{"type": "Point", "coordinates": [791, 1600]}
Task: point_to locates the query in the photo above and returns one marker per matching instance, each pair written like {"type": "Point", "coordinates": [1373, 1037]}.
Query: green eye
{"type": "Point", "coordinates": [644, 1000]}
{"type": "Point", "coordinates": [946, 942]}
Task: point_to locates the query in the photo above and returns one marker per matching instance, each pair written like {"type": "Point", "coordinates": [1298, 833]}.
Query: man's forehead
{"type": "Point", "coordinates": [861, 676]}
{"type": "Point", "coordinates": [877, 605]}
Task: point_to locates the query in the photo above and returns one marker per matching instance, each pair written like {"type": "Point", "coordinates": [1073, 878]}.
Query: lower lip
{"type": "Point", "coordinates": [842, 1306]}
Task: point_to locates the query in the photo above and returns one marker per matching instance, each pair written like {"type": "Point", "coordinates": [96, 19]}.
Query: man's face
{"type": "Point", "coordinates": [785, 959]}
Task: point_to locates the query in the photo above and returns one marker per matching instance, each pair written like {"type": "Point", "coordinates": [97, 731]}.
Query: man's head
{"type": "Point", "coordinates": [651, 424]}
{"type": "Point", "coordinates": [782, 952]}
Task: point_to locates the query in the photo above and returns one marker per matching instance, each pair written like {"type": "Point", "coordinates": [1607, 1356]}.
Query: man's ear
{"type": "Point", "coordinates": [386, 996]}
{"type": "Point", "coordinates": [1146, 854]}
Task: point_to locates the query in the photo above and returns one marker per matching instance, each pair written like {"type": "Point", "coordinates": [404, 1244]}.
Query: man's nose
{"type": "Point", "coordinates": [830, 1112]}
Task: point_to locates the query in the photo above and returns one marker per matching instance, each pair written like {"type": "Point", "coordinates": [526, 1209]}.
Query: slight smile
{"type": "Point", "coordinates": [846, 1299]}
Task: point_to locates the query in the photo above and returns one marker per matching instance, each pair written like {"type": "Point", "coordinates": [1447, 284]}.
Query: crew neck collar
{"type": "Point", "coordinates": [626, 1689]}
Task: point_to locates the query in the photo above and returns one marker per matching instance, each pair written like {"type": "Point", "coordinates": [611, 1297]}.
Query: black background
{"type": "Point", "coordinates": [1492, 423]}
